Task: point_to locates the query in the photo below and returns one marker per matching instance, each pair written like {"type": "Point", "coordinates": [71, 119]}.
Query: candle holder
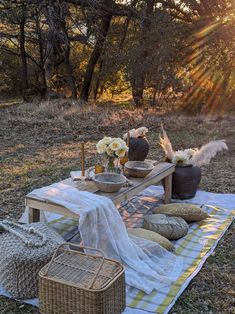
{"type": "Point", "coordinates": [99, 168]}
{"type": "Point", "coordinates": [123, 160]}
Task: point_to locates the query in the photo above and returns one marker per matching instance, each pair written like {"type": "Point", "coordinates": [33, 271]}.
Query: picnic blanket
{"type": "Point", "coordinates": [194, 248]}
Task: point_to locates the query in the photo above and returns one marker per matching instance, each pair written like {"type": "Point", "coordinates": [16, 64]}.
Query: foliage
{"type": "Point", "coordinates": [152, 50]}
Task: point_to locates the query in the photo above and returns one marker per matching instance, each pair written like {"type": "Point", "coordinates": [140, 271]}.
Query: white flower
{"type": "Point", "coordinates": [115, 145]}
{"type": "Point", "coordinates": [180, 158]}
{"type": "Point", "coordinates": [121, 152]}
{"type": "Point", "coordinates": [107, 140]}
{"type": "Point", "coordinates": [110, 152]}
{"type": "Point", "coordinates": [123, 143]}
{"type": "Point", "coordinates": [190, 152]}
{"type": "Point", "coordinates": [101, 147]}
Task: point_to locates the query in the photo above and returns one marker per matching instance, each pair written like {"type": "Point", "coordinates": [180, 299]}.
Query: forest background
{"type": "Point", "coordinates": [167, 53]}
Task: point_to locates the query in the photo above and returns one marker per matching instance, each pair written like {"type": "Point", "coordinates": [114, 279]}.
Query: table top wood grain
{"type": "Point", "coordinates": [161, 171]}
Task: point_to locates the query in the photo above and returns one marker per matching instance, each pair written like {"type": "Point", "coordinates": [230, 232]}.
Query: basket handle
{"type": "Point", "coordinates": [80, 247]}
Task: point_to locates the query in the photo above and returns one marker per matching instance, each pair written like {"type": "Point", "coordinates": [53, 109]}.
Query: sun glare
{"type": "Point", "coordinates": [210, 73]}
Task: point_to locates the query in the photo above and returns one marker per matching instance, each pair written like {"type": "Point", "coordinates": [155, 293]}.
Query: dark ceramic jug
{"type": "Point", "coordinates": [185, 182]}
{"type": "Point", "coordinates": [138, 149]}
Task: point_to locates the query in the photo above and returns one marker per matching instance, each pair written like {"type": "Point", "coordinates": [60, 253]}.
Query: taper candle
{"type": "Point", "coordinates": [128, 139]}
{"type": "Point", "coordinates": [83, 158]}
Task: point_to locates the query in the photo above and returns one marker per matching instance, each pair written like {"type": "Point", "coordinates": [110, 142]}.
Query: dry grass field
{"type": "Point", "coordinates": [39, 144]}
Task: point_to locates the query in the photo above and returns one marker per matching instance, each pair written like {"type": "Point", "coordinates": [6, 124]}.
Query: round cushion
{"type": "Point", "coordinates": [171, 228]}
{"type": "Point", "coordinates": [152, 236]}
{"type": "Point", "coordinates": [188, 212]}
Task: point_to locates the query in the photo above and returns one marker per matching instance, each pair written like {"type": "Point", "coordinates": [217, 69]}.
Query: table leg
{"type": "Point", "coordinates": [34, 215]}
{"type": "Point", "coordinates": [168, 188]}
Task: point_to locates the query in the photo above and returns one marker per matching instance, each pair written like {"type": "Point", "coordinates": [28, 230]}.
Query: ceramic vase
{"type": "Point", "coordinates": [138, 149]}
{"type": "Point", "coordinates": [185, 182]}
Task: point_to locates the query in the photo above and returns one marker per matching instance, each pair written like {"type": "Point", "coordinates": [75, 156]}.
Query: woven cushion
{"type": "Point", "coordinates": [171, 228]}
{"type": "Point", "coordinates": [152, 236]}
{"type": "Point", "coordinates": [188, 212]}
{"type": "Point", "coordinates": [20, 264]}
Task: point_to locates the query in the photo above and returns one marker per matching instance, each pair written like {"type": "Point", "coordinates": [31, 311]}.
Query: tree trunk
{"type": "Point", "coordinates": [126, 25]}
{"type": "Point", "coordinates": [68, 67]}
{"type": "Point", "coordinates": [139, 72]}
{"type": "Point", "coordinates": [69, 70]}
{"type": "Point", "coordinates": [125, 29]}
{"type": "Point", "coordinates": [104, 27]}
{"type": "Point", "coordinates": [54, 13]}
{"type": "Point", "coordinates": [154, 97]}
{"type": "Point", "coordinates": [97, 84]}
{"type": "Point", "coordinates": [101, 90]}
{"type": "Point", "coordinates": [24, 71]}
{"type": "Point", "coordinates": [138, 88]}
{"type": "Point", "coordinates": [58, 46]}
{"type": "Point", "coordinates": [41, 57]}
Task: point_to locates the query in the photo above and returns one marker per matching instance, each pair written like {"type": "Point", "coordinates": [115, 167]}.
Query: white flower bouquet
{"type": "Point", "coordinates": [112, 147]}
{"type": "Point", "coordinates": [195, 157]}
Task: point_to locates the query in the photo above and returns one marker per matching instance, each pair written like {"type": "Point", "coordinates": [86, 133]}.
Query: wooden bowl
{"type": "Point", "coordinates": [109, 182]}
{"type": "Point", "coordinates": [138, 169]}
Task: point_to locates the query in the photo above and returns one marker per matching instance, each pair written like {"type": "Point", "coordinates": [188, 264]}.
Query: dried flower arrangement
{"type": "Point", "coordinates": [195, 156]}
{"type": "Point", "coordinates": [136, 133]}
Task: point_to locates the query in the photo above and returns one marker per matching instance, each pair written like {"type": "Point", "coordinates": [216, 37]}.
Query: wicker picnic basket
{"type": "Point", "coordinates": [78, 283]}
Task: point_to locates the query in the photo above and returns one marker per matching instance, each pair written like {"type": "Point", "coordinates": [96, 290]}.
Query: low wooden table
{"type": "Point", "coordinates": [161, 172]}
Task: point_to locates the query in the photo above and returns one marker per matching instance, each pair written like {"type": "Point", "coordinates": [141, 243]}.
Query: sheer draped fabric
{"type": "Point", "coordinates": [148, 265]}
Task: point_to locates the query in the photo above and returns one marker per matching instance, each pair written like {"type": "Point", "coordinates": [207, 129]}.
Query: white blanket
{"type": "Point", "coordinates": [148, 265]}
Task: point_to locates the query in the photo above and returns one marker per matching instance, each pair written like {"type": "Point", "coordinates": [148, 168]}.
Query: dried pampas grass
{"type": "Point", "coordinates": [166, 145]}
{"type": "Point", "coordinates": [196, 157]}
{"type": "Point", "coordinates": [203, 155]}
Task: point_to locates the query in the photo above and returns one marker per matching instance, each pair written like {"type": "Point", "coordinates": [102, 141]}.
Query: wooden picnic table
{"type": "Point", "coordinates": [162, 172]}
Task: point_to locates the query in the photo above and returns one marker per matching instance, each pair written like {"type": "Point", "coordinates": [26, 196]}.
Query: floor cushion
{"type": "Point", "coordinates": [152, 236]}
{"type": "Point", "coordinates": [171, 228]}
{"type": "Point", "coordinates": [188, 212]}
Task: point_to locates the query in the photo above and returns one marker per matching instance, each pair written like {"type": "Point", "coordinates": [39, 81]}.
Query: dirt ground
{"type": "Point", "coordinates": [39, 144]}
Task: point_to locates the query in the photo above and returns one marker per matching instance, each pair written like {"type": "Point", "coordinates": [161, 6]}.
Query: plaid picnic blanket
{"type": "Point", "coordinates": [195, 247]}
{"type": "Point", "coordinates": [199, 243]}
